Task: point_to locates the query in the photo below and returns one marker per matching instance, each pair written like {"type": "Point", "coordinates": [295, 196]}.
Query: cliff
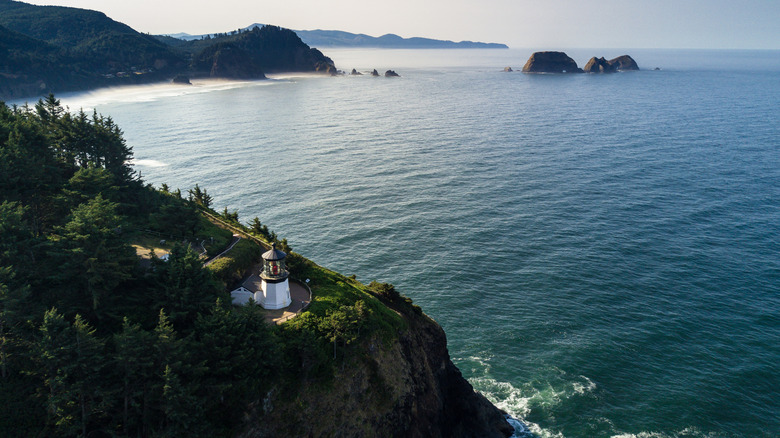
{"type": "Point", "coordinates": [403, 387]}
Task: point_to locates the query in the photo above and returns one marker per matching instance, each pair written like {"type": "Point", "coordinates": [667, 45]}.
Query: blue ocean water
{"type": "Point", "coordinates": [603, 251]}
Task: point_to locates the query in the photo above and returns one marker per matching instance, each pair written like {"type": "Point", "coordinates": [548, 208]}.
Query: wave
{"type": "Point", "coordinates": [688, 432]}
{"type": "Point", "coordinates": [89, 100]}
{"type": "Point", "coordinates": [148, 163]}
{"type": "Point", "coordinates": [519, 402]}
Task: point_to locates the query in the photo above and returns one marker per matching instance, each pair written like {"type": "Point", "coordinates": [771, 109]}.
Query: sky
{"type": "Point", "coordinates": [538, 24]}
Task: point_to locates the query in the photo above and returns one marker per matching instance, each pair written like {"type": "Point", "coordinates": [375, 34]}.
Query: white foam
{"type": "Point", "coordinates": [503, 395]}
{"type": "Point", "coordinates": [148, 163]}
{"type": "Point", "coordinates": [585, 387]}
{"type": "Point", "coordinates": [152, 92]}
{"type": "Point", "coordinates": [687, 432]}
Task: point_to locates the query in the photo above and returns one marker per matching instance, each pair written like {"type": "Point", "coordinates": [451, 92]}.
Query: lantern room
{"type": "Point", "coordinates": [274, 266]}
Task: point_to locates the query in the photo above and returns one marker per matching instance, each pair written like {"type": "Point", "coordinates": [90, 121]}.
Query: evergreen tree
{"type": "Point", "coordinates": [86, 383]}
{"type": "Point", "coordinates": [183, 287]}
{"type": "Point", "coordinates": [239, 351]}
{"type": "Point", "coordinates": [71, 359]}
{"type": "Point", "coordinates": [344, 324]}
{"type": "Point", "coordinates": [93, 257]}
{"type": "Point", "coordinates": [133, 362]}
{"type": "Point", "coordinates": [230, 216]}
{"type": "Point", "coordinates": [29, 171]}
{"type": "Point", "coordinates": [177, 218]}
{"type": "Point", "coordinates": [258, 228]}
{"type": "Point", "coordinates": [87, 183]}
{"type": "Point", "coordinates": [181, 412]}
{"type": "Point", "coordinates": [200, 197]}
{"type": "Point", "coordinates": [49, 110]}
{"type": "Point", "coordinates": [12, 317]}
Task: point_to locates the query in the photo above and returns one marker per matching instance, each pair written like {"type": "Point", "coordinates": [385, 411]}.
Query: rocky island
{"type": "Point", "coordinates": [560, 62]}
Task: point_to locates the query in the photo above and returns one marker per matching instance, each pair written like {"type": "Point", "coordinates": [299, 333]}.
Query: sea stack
{"type": "Point", "coordinates": [599, 65]}
{"type": "Point", "coordinates": [550, 62]}
{"type": "Point", "coordinates": [624, 63]}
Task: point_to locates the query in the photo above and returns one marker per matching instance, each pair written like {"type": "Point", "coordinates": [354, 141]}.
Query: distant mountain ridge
{"type": "Point", "coordinates": [336, 38]}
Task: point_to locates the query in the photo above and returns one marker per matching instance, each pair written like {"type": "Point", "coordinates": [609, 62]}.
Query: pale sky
{"type": "Point", "coordinates": [538, 24]}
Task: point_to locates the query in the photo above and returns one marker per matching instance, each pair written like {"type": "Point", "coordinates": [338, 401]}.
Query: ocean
{"type": "Point", "coordinates": [603, 251]}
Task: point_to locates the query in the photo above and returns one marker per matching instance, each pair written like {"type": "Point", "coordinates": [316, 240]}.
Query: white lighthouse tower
{"type": "Point", "coordinates": [275, 293]}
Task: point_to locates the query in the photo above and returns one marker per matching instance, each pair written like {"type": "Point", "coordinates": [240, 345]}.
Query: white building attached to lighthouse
{"type": "Point", "coordinates": [274, 290]}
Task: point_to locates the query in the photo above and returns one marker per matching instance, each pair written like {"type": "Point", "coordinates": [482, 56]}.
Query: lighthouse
{"type": "Point", "coordinates": [275, 289]}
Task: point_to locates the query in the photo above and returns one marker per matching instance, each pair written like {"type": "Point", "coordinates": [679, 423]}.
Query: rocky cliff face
{"type": "Point", "coordinates": [228, 61]}
{"type": "Point", "coordinates": [407, 387]}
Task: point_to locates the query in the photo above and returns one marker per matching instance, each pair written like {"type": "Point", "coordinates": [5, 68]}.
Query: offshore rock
{"type": "Point", "coordinates": [374, 73]}
{"type": "Point", "coordinates": [550, 62]}
{"type": "Point", "coordinates": [391, 74]}
{"type": "Point", "coordinates": [406, 387]}
{"type": "Point", "coordinates": [326, 67]}
{"type": "Point", "coordinates": [599, 65]}
{"type": "Point", "coordinates": [508, 69]}
{"type": "Point", "coordinates": [624, 63]}
{"type": "Point", "coordinates": [355, 72]}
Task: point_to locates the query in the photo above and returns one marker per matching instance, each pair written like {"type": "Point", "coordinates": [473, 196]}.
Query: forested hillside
{"type": "Point", "coordinates": [52, 48]}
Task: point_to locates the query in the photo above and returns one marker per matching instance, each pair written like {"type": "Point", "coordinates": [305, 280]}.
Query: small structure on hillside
{"type": "Point", "coordinates": [274, 290]}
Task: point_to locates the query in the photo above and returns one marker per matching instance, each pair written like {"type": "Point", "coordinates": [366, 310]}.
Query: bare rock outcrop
{"type": "Point", "coordinates": [550, 62]}
{"type": "Point", "coordinates": [599, 65]}
{"type": "Point", "coordinates": [624, 63]}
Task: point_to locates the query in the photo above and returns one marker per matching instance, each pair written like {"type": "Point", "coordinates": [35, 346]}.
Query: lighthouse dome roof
{"type": "Point", "coordinates": [274, 254]}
